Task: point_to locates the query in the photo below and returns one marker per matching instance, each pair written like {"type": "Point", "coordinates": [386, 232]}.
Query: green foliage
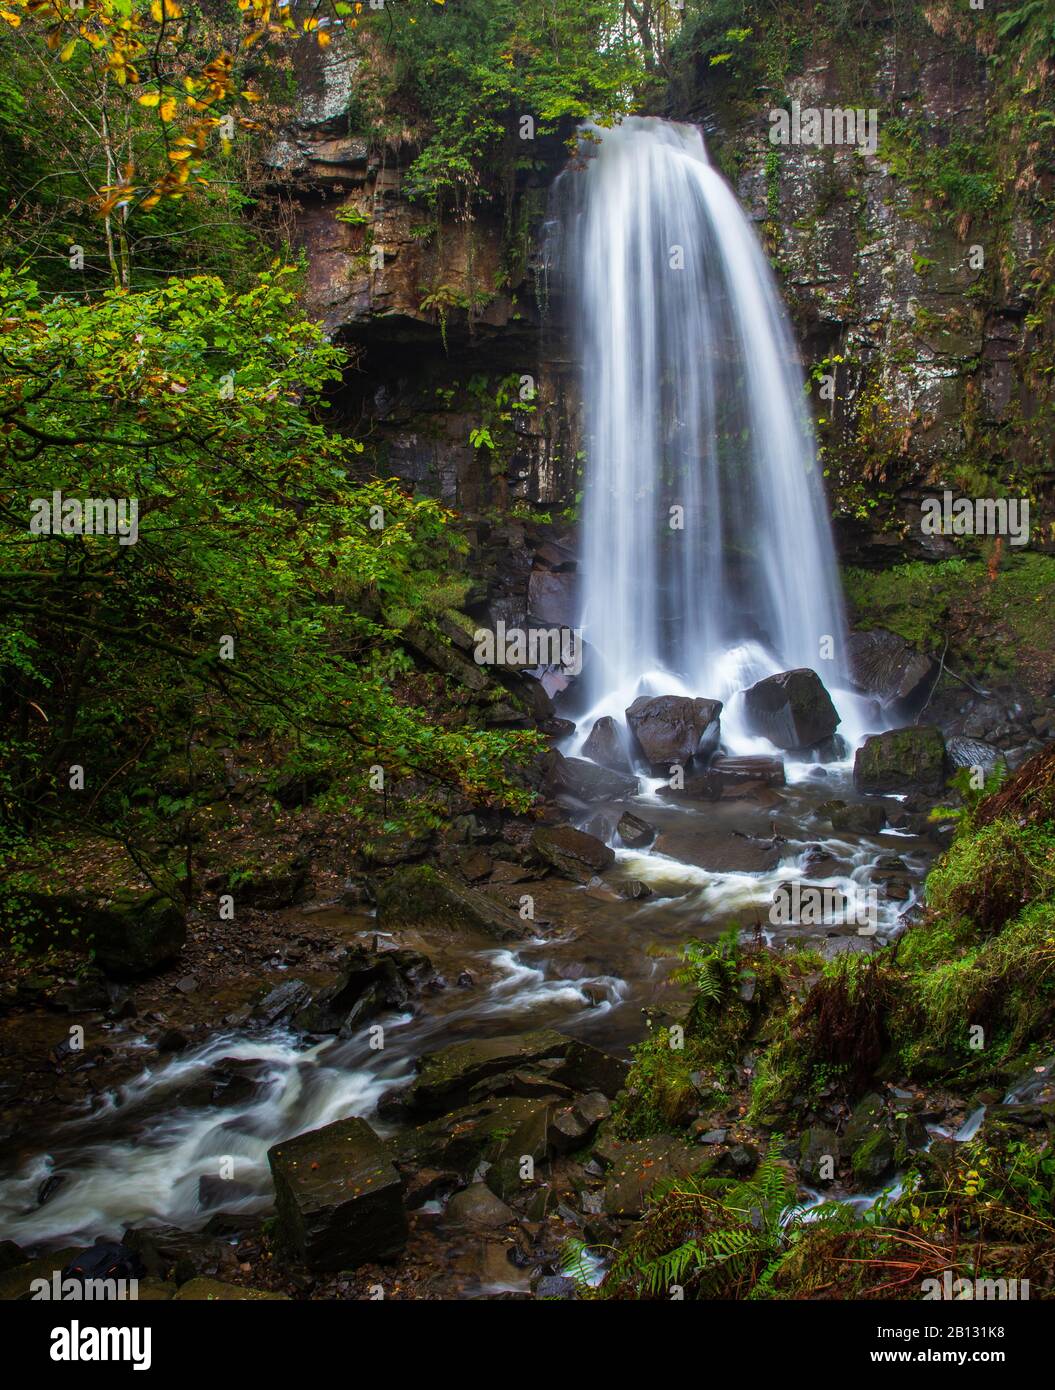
{"type": "Point", "coordinates": [206, 406]}
{"type": "Point", "coordinates": [469, 70]}
{"type": "Point", "coordinates": [712, 1238]}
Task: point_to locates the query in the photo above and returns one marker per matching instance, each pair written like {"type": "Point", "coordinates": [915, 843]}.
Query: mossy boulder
{"type": "Point", "coordinates": [902, 761]}
{"type": "Point", "coordinates": [138, 934]}
{"type": "Point", "coordinates": [420, 896]}
{"type": "Point", "coordinates": [338, 1198]}
{"type": "Point", "coordinates": [283, 883]}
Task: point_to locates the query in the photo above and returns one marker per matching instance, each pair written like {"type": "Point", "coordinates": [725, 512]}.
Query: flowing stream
{"type": "Point", "coordinates": [695, 412]}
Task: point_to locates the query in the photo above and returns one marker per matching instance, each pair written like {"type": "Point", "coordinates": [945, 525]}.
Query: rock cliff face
{"type": "Point", "coordinates": [442, 313]}
{"type": "Point", "coordinates": [917, 276]}
{"type": "Point", "coordinates": [920, 289]}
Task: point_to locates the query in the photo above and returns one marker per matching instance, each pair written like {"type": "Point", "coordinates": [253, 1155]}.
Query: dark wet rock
{"type": "Point", "coordinates": [833, 749]}
{"type": "Point", "coordinates": [606, 745]}
{"type": "Point", "coordinates": [457, 1144]}
{"type": "Point", "coordinates": [720, 850]}
{"type": "Point", "coordinates": [741, 1160]}
{"type": "Point", "coordinates": [572, 853]}
{"type": "Point", "coordinates": [571, 1126]}
{"type": "Point", "coordinates": [282, 1002]}
{"type": "Point", "coordinates": [214, 1192]}
{"type": "Point", "coordinates": [669, 729]}
{"type": "Point", "coordinates": [633, 890]}
{"type": "Point", "coordinates": [584, 780]}
{"type": "Point", "coordinates": [510, 873]}
{"type": "Point", "coordinates": [338, 1199]}
{"type": "Point", "coordinates": [793, 709]}
{"type": "Point", "coordinates": [819, 1151]}
{"type": "Point", "coordinates": [270, 886]}
{"type": "Point", "coordinates": [370, 981]}
{"type": "Point", "coordinates": [358, 891]}
{"type": "Point", "coordinates": [169, 1253]}
{"type": "Point", "coordinates": [972, 752]}
{"type": "Point", "coordinates": [508, 1176]}
{"type": "Point", "coordinates": [634, 832]}
{"type": "Point", "coordinates": [906, 760]}
{"type": "Point", "coordinates": [11, 1256]}
{"type": "Point", "coordinates": [477, 829]}
{"type": "Point", "coordinates": [889, 668]}
{"type": "Point", "coordinates": [447, 1078]}
{"type": "Point", "coordinates": [133, 934]}
{"type": "Point", "coordinates": [754, 768]}
{"type": "Point", "coordinates": [172, 1040]}
{"type": "Point", "coordinates": [475, 865]}
{"type": "Point", "coordinates": [557, 727]}
{"type": "Point", "coordinates": [477, 1205]}
{"type": "Point", "coordinates": [859, 819]}
{"type": "Point", "coordinates": [422, 896]}
{"type": "Point", "coordinates": [641, 1163]}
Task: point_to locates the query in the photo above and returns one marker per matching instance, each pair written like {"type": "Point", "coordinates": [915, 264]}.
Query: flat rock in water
{"type": "Point", "coordinates": [338, 1198]}
{"type": "Point", "coordinates": [572, 853]}
{"type": "Point", "coordinates": [722, 851]}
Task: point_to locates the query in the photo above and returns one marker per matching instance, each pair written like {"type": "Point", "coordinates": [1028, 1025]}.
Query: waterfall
{"type": "Point", "coordinates": [707, 551]}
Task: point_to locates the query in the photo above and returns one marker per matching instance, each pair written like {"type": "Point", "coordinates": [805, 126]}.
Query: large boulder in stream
{"type": "Point", "coordinates": [421, 896]}
{"type": "Point", "coordinates": [793, 709]}
{"type": "Point", "coordinates": [669, 729]}
{"type": "Point", "coordinates": [607, 746]}
{"type": "Point", "coordinates": [572, 853]}
{"type": "Point", "coordinates": [903, 761]}
{"type": "Point", "coordinates": [338, 1198]}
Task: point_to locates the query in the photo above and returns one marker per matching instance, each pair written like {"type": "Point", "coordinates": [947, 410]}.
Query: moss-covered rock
{"type": "Point", "coordinates": [422, 896]}
{"type": "Point", "coordinates": [905, 760]}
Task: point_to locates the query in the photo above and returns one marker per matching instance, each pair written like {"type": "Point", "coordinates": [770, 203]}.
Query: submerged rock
{"type": "Point", "coordinates": [606, 746]}
{"type": "Point", "coordinates": [905, 760]}
{"type": "Point", "coordinates": [572, 853]}
{"type": "Point", "coordinates": [793, 709]}
{"type": "Point", "coordinates": [338, 1198]}
{"type": "Point", "coordinates": [720, 850]}
{"type": "Point", "coordinates": [669, 729]}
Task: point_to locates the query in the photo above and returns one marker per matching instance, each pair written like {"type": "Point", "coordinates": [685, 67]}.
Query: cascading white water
{"type": "Point", "coordinates": [708, 557]}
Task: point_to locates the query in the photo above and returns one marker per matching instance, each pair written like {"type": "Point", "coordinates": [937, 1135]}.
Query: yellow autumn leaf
{"type": "Point", "coordinates": [13, 19]}
{"type": "Point", "coordinates": [168, 108]}
{"type": "Point", "coordinates": [179, 154]}
{"type": "Point", "coordinates": [68, 52]}
{"type": "Point", "coordinates": [149, 99]}
{"type": "Point", "coordinates": [323, 37]}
